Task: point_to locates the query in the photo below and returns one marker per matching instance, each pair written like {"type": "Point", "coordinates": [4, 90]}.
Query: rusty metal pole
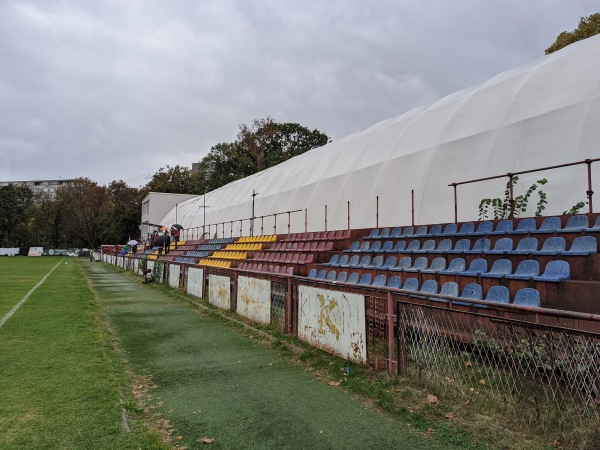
{"type": "Point", "coordinates": [412, 201]}
{"type": "Point", "coordinates": [589, 192]}
{"type": "Point", "coordinates": [511, 200]}
{"type": "Point", "coordinates": [377, 213]}
{"type": "Point", "coordinates": [455, 203]}
{"type": "Point", "coordinates": [289, 316]}
{"type": "Point", "coordinates": [289, 221]}
{"type": "Point", "coordinates": [325, 217]}
{"type": "Point", "coordinates": [275, 224]}
{"type": "Point", "coordinates": [391, 336]}
{"type": "Point", "coordinates": [348, 214]}
{"type": "Point", "coordinates": [262, 225]}
{"type": "Point", "coordinates": [305, 220]}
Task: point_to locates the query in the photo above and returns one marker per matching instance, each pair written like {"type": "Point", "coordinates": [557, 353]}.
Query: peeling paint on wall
{"type": "Point", "coordinates": [254, 299]}
{"type": "Point", "coordinates": [333, 321]}
{"type": "Point", "coordinates": [174, 274]}
{"type": "Point", "coordinates": [219, 291]}
{"type": "Point", "coordinates": [195, 285]}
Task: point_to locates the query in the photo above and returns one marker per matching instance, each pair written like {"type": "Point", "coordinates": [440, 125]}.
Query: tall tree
{"type": "Point", "coordinates": [588, 26]}
{"type": "Point", "coordinates": [174, 180]}
{"type": "Point", "coordinates": [15, 202]}
{"type": "Point", "coordinates": [121, 218]}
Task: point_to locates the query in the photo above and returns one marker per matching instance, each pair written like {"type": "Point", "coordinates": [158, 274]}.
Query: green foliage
{"type": "Point", "coordinates": [501, 206]}
{"type": "Point", "coordinates": [575, 208]}
{"type": "Point", "coordinates": [588, 26]}
{"type": "Point", "coordinates": [15, 202]}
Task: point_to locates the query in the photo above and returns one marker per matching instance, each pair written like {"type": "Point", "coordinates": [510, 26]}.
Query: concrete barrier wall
{"type": "Point", "coordinates": [174, 275]}
{"type": "Point", "coordinates": [195, 282]}
{"type": "Point", "coordinates": [254, 299]}
{"type": "Point", "coordinates": [333, 321]}
{"type": "Point", "coordinates": [219, 291]}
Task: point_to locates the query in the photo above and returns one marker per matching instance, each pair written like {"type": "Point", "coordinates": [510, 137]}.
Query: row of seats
{"type": "Point", "coordinates": [250, 247]}
{"type": "Point", "coordinates": [474, 291]}
{"type": "Point", "coordinates": [318, 236]}
{"type": "Point", "coordinates": [270, 268]}
{"type": "Point", "coordinates": [215, 263]}
{"type": "Point", "coordinates": [229, 255]}
{"type": "Point", "coordinates": [197, 253]}
{"type": "Point", "coordinates": [528, 269]}
{"type": "Point", "coordinates": [221, 241]}
{"type": "Point", "coordinates": [323, 246]}
{"type": "Point", "coordinates": [187, 260]}
{"type": "Point", "coordinates": [575, 224]}
{"type": "Point", "coordinates": [288, 258]}
{"type": "Point", "coordinates": [209, 247]}
{"type": "Point", "coordinates": [253, 239]}
{"type": "Point", "coordinates": [581, 246]}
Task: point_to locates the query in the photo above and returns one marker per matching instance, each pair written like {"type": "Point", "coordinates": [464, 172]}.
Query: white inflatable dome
{"type": "Point", "coordinates": [546, 113]}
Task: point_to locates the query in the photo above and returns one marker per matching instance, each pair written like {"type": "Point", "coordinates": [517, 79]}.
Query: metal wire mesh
{"type": "Point", "coordinates": [544, 375]}
{"type": "Point", "coordinates": [377, 347]}
{"type": "Point", "coordinates": [278, 292]}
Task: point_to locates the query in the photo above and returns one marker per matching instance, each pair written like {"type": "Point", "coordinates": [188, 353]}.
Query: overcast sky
{"type": "Point", "coordinates": [116, 89]}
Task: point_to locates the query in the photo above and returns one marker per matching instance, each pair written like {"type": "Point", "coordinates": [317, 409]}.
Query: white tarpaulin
{"type": "Point", "coordinates": [543, 114]}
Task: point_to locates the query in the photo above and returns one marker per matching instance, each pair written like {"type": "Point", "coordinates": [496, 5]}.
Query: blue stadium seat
{"type": "Point", "coordinates": [351, 262]}
{"type": "Point", "coordinates": [354, 247]}
{"type": "Point", "coordinates": [497, 294]}
{"type": "Point", "coordinates": [504, 226]}
{"type": "Point", "coordinates": [428, 287]}
{"type": "Point", "coordinates": [435, 230]}
{"type": "Point", "coordinates": [555, 271]}
{"type": "Point", "coordinates": [399, 247]}
{"type": "Point", "coordinates": [549, 225]}
{"type": "Point", "coordinates": [419, 264]}
{"type": "Point", "coordinates": [364, 247]}
{"type": "Point", "coordinates": [408, 232]}
{"type": "Point", "coordinates": [477, 267]}
{"type": "Point", "coordinates": [449, 230]}
{"type": "Point", "coordinates": [485, 227]}
{"type": "Point", "coordinates": [342, 276]}
{"type": "Point", "coordinates": [364, 261]}
{"type": "Point", "coordinates": [525, 226]}
{"type": "Point", "coordinates": [596, 227]}
{"type": "Point", "coordinates": [353, 278]}
{"type": "Point", "coordinates": [343, 260]}
{"type": "Point", "coordinates": [396, 233]}
{"type": "Point", "coordinates": [375, 264]}
{"type": "Point", "coordinates": [421, 231]}
{"type": "Point", "coordinates": [527, 297]}
{"type": "Point", "coordinates": [428, 246]}
{"type": "Point", "coordinates": [394, 282]}
{"type": "Point", "coordinates": [331, 275]}
{"type": "Point", "coordinates": [481, 245]}
{"type": "Point", "coordinates": [312, 273]}
{"type": "Point", "coordinates": [582, 245]}
{"type": "Point", "coordinates": [472, 291]}
{"type": "Point", "coordinates": [321, 275]}
{"type": "Point", "coordinates": [443, 246]}
{"type": "Point", "coordinates": [500, 268]}
{"type": "Point", "coordinates": [552, 246]}
{"type": "Point", "coordinates": [411, 284]}
{"type": "Point", "coordinates": [412, 246]}
{"type": "Point", "coordinates": [436, 265]}
{"type": "Point", "coordinates": [388, 247]}
{"type": "Point", "coordinates": [389, 263]}
{"type": "Point", "coordinates": [375, 247]}
{"type": "Point", "coordinates": [450, 288]}
{"type": "Point", "coordinates": [403, 264]}
{"type": "Point", "coordinates": [380, 280]}
{"type": "Point", "coordinates": [366, 279]}
{"type": "Point", "coordinates": [461, 246]}
{"type": "Point", "coordinates": [526, 246]}
{"type": "Point", "coordinates": [332, 261]}
{"type": "Point", "coordinates": [385, 233]}
{"type": "Point", "coordinates": [526, 270]}
{"type": "Point", "coordinates": [466, 228]}
{"type": "Point", "coordinates": [503, 245]}
{"type": "Point", "coordinates": [575, 224]}
{"type": "Point", "coordinates": [456, 266]}
{"type": "Point", "coordinates": [374, 234]}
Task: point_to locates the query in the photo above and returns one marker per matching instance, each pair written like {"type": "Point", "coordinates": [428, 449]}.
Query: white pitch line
{"type": "Point", "coordinates": [18, 305]}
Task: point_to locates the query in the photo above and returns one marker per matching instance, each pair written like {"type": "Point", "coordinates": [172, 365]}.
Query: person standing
{"type": "Point", "coordinates": [175, 235]}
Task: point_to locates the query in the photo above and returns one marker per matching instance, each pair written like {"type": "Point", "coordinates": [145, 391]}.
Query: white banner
{"type": "Point", "coordinates": [333, 321]}
{"type": "Point", "coordinates": [35, 251]}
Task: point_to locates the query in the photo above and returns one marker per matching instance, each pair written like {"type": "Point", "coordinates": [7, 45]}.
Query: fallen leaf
{"type": "Point", "coordinates": [430, 430]}
{"type": "Point", "coordinates": [320, 431]}
{"type": "Point", "coordinates": [432, 398]}
{"type": "Point", "coordinates": [206, 440]}
{"type": "Point", "coordinates": [334, 383]}
{"type": "Point", "coordinates": [468, 401]}
{"type": "Point", "coordinates": [179, 438]}
{"type": "Point", "coordinates": [270, 364]}
{"type": "Point", "coordinates": [468, 364]}
{"type": "Point", "coordinates": [482, 381]}
{"type": "Point", "coordinates": [449, 416]}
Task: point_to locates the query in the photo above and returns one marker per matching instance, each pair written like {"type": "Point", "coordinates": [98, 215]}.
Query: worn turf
{"type": "Point", "coordinates": [61, 384]}
{"type": "Point", "coordinates": [213, 382]}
